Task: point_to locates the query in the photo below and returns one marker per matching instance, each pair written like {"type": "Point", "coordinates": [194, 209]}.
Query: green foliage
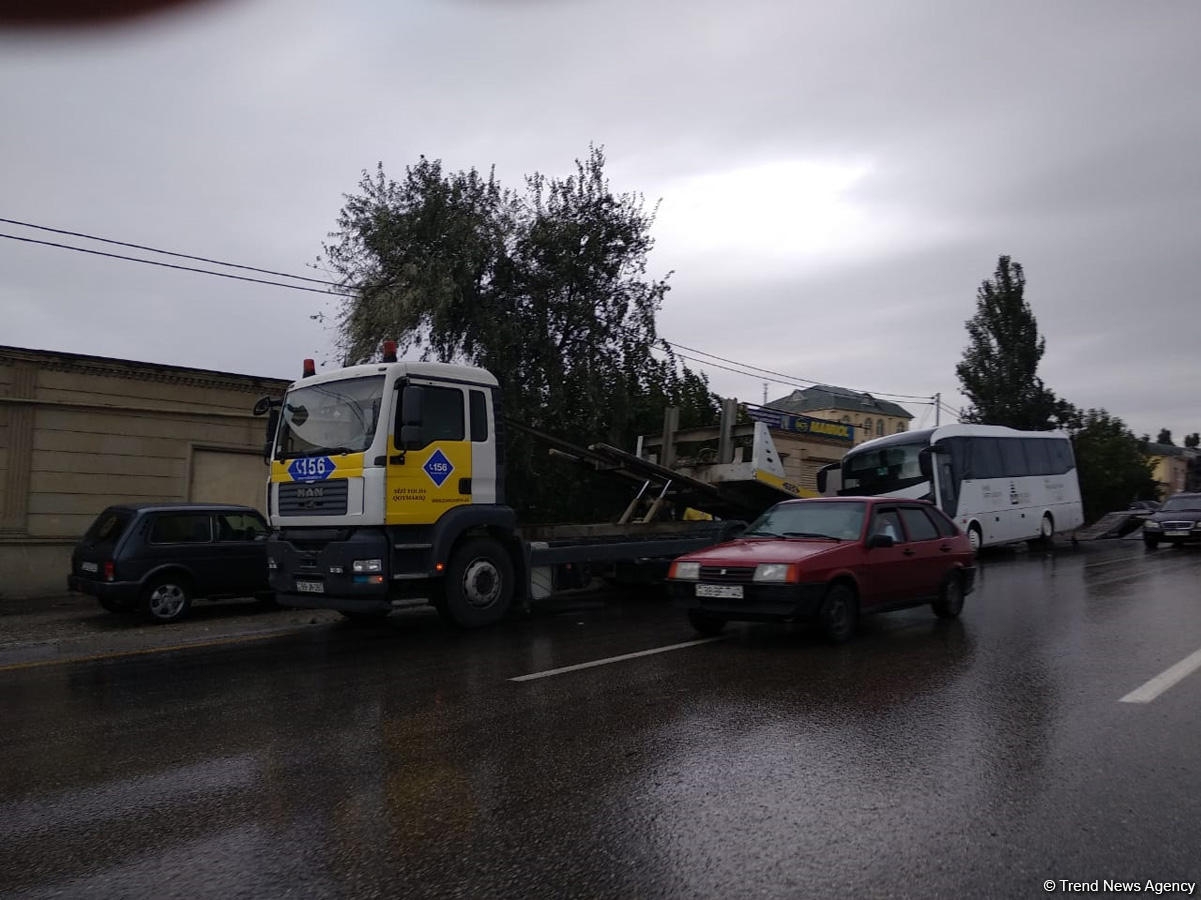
{"type": "Point", "coordinates": [998, 372]}
{"type": "Point", "coordinates": [1112, 466]}
{"type": "Point", "coordinates": [1165, 437]}
{"type": "Point", "coordinates": [546, 288]}
{"type": "Point", "coordinates": [1193, 440]}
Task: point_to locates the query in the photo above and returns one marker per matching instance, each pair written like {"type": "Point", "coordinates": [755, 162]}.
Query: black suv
{"type": "Point", "coordinates": [1177, 521]}
{"type": "Point", "coordinates": [158, 557]}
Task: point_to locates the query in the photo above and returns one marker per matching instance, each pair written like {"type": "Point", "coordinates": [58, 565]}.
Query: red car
{"type": "Point", "coordinates": [828, 561]}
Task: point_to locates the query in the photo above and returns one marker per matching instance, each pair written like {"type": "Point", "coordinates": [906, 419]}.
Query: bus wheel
{"type": "Point", "coordinates": [479, 584]}
{"type": "Point", "coordinates": [1046, 530]}
{"type": "Point", "coordinates": [974, 537]}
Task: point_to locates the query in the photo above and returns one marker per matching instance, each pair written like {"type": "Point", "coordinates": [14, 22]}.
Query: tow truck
{"type": "Point", "coordinates": [387, 490]}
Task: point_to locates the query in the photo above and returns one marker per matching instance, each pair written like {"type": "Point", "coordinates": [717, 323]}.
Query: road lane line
{"type": "Point", "coordinates": [1165, 680]}
{"type": "Point", "coordinates": [613, 659]}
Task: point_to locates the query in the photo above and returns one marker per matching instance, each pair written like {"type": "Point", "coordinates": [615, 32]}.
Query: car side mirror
{"type": "Point", "coordinates": [880, 540]}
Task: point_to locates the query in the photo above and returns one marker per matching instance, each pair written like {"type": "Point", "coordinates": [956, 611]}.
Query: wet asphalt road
{"type": "Point", "coordinates": [318, 759]}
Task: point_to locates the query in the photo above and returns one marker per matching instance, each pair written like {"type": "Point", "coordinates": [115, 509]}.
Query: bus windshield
{"type": "Point", "coordinates": [335, 417]}
{"type": "Point", "coordinates": [883, 470]}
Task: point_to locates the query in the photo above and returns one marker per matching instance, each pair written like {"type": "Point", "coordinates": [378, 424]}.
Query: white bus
{"type": "Point", "coordinates": [998, 484]}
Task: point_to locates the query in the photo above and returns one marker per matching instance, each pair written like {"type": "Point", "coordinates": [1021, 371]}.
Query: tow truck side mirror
{"type": "Point", "coordinates": [272, 425]}
{"type": "Point", "coordinates": [410, 435]}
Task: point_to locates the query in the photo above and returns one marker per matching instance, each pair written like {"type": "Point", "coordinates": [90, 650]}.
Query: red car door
{"type": "Point", "coordinates": [931, 551]}
{"type": "Point", "coordinates": [888, 572]}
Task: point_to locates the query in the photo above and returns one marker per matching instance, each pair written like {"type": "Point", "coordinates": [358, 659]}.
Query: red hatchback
{"type": "Point", "coordinates": [827, 561]}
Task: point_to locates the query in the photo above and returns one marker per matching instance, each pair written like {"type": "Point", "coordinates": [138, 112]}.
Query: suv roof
{"type": "Point", "coordinates": [168, 506]}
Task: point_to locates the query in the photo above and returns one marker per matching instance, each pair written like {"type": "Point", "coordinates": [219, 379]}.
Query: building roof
{"type": "Point", "coordinates": [825, 396]}
{"type": "Point", "coordinates": [141, 371]}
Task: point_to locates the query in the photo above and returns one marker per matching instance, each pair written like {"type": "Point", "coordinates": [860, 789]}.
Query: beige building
{"type": "Point", "coordinates": [78, 433]}
{"type": "Point", "coordinates": [868, 415]}
{"type": "Point", "coordinates": [1171, 468]}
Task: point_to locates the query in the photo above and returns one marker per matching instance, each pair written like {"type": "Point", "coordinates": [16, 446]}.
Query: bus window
{"type": "Point", "coordinates": [1014, 459]}
{"type": "Point", "coordinates": [985, 458]}
{"type": "Point", "coordinates": [1038, 455]}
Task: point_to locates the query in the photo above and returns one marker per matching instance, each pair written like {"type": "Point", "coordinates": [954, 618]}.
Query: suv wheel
{"type": "Point", "coordinates": [167, 599]}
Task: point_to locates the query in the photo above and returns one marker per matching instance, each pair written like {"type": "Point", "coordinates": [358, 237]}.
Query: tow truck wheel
{"type": "Point", "coordinates": [479, 584]}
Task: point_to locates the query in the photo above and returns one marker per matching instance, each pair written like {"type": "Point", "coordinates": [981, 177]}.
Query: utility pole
{"type": "Point", "coordinates": [937, 407]}
{"type": "Point", "coordinates": [765, 393]}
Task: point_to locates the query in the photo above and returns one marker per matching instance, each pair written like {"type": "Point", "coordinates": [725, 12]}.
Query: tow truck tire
{"type": "Point", "coordinates": [478, 588]}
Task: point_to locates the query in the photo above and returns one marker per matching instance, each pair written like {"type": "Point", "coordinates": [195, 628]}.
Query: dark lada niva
{"type": "Point", "coordinates": [159, 557]}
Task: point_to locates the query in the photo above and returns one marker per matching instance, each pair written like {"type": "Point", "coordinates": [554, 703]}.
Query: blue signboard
{"type": "Point", "coordinates": [311, 468]}
{"type": "Point", "coordinates": [438, 468]}
{"type": "Point", "coordinates": [783, 421]}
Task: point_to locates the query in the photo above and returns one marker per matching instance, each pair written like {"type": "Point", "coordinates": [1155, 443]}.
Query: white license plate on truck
{"type": "Point", "coordinates": [310, 587]}
{"type": "Point", "coordinates": [88, 567]}
{"type": "Point", "coordinates": [722, 591]}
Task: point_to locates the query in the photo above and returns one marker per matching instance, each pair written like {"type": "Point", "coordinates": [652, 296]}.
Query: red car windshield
{"type": "Point", "coordinates": [838, 520]}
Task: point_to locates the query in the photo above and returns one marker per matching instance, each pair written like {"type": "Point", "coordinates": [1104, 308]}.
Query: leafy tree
{"type": "Point", "coordinates": [546, 288]}
{"type": "Point", "coordinates": [1113, 469]}
{"type": "Point", "coordinates": [1193, 440]}
{"type": "Point", "coordinates": [998, 372]}
{"type": "Point", "coordinates": [1165, 437]}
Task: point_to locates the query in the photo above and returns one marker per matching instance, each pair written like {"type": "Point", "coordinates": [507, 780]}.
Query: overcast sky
{"type": "Point", "coordinates": [835, 179]}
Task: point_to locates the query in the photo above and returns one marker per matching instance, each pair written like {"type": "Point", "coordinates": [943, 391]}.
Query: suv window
{"type": "Point", "coordinates": [109, 526]}
{"type": "Point", "coordinates": [180, 528]}
{"type": "Point", "coordinates": [918, 524]}
{"type": "Point", "coordinates": [238, 527]}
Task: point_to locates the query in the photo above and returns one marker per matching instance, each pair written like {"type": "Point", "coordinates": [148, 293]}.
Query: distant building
{"type": "Point", "coordinates": [78, 433]}
{"type": "Point", "coordinates": [869, 416]}
{"type": "Point", "coordinates": [1171, 472]}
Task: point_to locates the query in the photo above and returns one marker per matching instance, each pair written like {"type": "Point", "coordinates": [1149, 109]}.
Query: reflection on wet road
{"type": "Point", "coordinates": [980, 756]}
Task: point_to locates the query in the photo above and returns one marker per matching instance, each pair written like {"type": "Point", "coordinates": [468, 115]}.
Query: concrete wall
{"type": "Point", "coordinates": [79, 433]}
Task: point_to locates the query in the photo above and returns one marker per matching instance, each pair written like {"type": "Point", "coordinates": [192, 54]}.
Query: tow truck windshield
{"type": "Point", "coordinates": [331, 418]}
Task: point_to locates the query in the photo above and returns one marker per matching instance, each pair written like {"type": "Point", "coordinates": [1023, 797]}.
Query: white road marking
{"type": "Point", "coordinates": [1164, 680]}
{"type": "Point", "coordinates": [613, 659]}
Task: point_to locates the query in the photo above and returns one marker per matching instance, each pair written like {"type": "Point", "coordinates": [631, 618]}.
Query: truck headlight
{"type": "Point", "coordinates": [367, 566]}
{"type": "Point", "coordinates": [685, 570]}
{"type": "Point", "coordinates": [773, 572]}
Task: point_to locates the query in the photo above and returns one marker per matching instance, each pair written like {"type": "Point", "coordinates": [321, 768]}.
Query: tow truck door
{"type": "Point", "coordinates": [433, 473]}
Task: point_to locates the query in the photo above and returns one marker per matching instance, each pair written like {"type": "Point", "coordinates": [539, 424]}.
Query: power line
{"type": "Point", "coordinates": [744, 369]}
{"type": "Point", "coordinates": [794, 377]}
{"type": "Point", "coordinates": [152, 262]}
{"type": "Point", "coordinates": [705, 362]}
{"type": "Point", "coordinates": [204, 259]}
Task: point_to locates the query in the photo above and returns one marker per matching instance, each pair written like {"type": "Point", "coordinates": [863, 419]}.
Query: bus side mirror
{"type": "Point", "coordinates": [925, 464]}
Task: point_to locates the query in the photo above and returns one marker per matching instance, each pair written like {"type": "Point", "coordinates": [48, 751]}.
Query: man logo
{"type": "Point", "coordinates": [306, 492]}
